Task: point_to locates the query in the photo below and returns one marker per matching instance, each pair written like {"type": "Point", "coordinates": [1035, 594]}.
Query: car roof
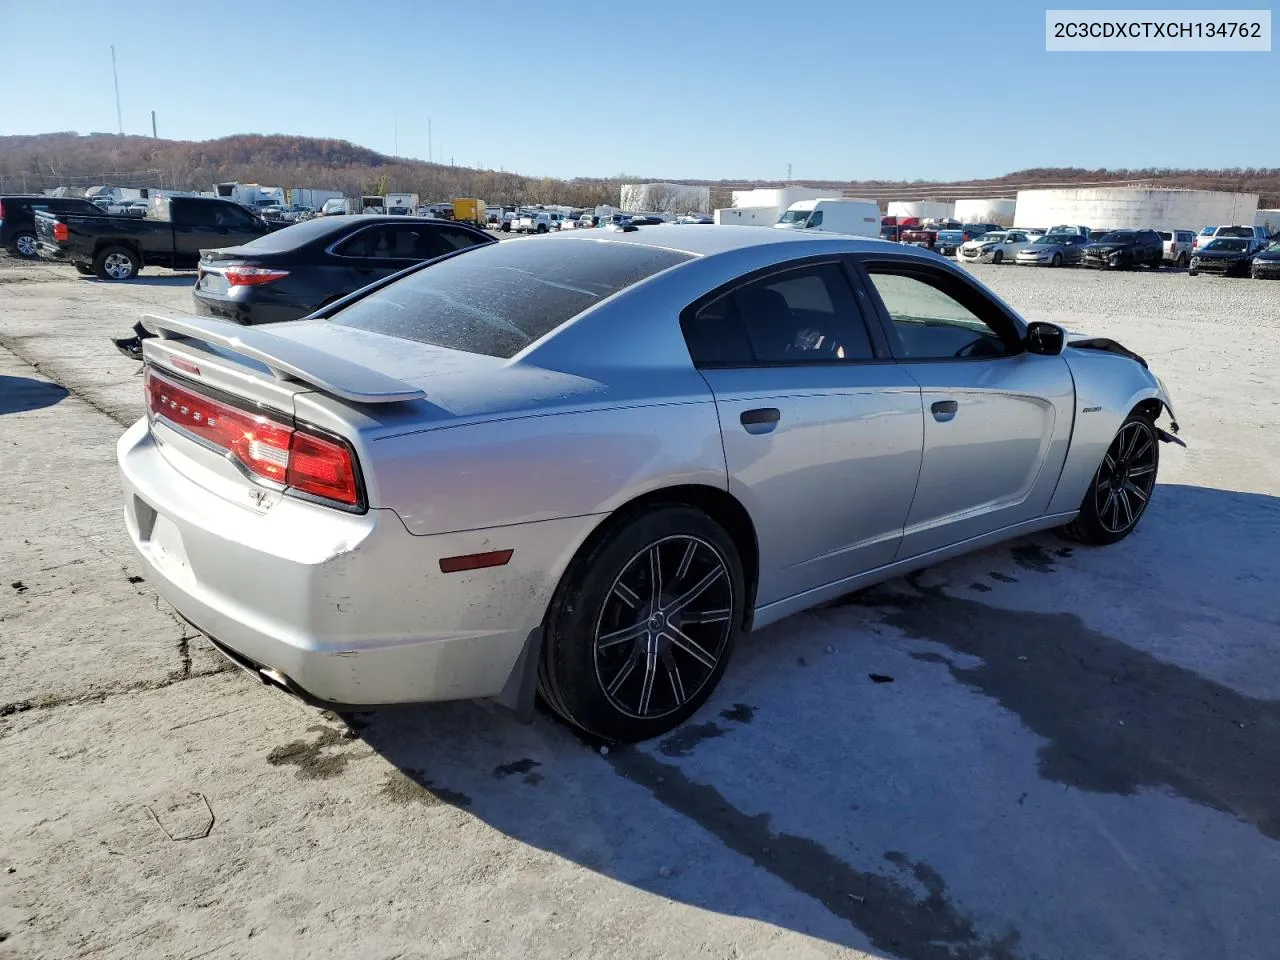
{"type": "Point", "coordinates": [706, 239]}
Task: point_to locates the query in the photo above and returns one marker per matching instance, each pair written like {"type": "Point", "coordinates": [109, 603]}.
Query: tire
{"type": "Point", "coordinates": [644, 680]}
{"type": "Point", "coordinates": [1182, 260]}
{"type": "Point", "coordinates": [116, 263]}
{"type": "Point", "coordinates": [1192, 272]}
{"type": "Point", "coordinates": [542, 228]}
{"type": "Point", "coordinates": [997, 256]}
{"type": "Point", "coordinates": [83, 270]}
{"type": "Point", "coordinates": [25, 245]}
{"type": "Point", "coordinates": [1106, 516]}
{"type": "Point", "coordinates": [1057, 260]}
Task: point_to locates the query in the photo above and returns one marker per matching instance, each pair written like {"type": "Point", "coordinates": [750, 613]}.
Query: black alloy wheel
{"type": "Point", "coordinates": [1122, 487]}
{"type": "Point", "coordinates": [642, 625]}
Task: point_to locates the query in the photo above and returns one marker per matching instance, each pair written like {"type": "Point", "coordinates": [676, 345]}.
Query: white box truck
{"type": "Point", "coordinates": [402, 204]}
{"type": "Point", "coordinates": [753, 216]}
{"type": "Point", "coordinates": [858, 218]}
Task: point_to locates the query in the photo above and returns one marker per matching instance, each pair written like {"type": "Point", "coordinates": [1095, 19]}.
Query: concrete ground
{"type": "Point", "coordinates": [1037, 751]}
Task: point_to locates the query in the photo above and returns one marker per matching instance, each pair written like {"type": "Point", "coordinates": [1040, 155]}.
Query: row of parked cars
{"type": "Point", "coordinates": [545, 221]}
{"type": "Point", "coordinates": [1229, 249]}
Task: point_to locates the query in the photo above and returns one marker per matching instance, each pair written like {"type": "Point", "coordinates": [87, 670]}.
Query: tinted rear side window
{"type": "Point", "coordinates": [500, 298]}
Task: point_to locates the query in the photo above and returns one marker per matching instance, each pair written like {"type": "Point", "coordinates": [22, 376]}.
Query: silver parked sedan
{"type": "Point", "coordinates": [585, 464]}
{"type": "Point", "coordinates": [1053, 250]}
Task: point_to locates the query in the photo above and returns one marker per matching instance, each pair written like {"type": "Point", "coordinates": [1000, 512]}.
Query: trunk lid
{"type": "Point", "coordinates": [348, 385]}
{"type": "Point", "coordinates": [211, 277]}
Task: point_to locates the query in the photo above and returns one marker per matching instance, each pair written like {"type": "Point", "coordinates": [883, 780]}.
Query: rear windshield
{"type": "Point", "coordinates": [498, 299]}
{"type": "Point", "coordinates": [1235, 231]}
{"type": "Point", "coordinates": [291, 238]}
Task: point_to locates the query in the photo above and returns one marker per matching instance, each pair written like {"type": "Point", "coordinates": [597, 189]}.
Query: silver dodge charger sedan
{"type": "Point", "coordinates": [581, 466]}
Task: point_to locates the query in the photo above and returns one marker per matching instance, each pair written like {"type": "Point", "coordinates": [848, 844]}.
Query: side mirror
{"type": "Point", "coordinates": [1045, 339]}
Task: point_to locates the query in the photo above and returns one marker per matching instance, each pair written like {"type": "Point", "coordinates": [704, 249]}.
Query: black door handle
{"type": "Point", "coordinates": [760, 420]}
{"type": "Point", "coordinates": [944, 410]}
{"type": "Point", "coordinates": [760, 415]}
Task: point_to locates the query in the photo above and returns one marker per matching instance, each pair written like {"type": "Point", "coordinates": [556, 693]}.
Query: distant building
{"type": "Point", "coordinates": [665, 198]}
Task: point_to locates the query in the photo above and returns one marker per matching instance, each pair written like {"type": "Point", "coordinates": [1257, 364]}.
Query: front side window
{"type": "Point", "coordinates": [930, 322]}
{"type": "Point", "coordinates": [231, 216]}
{"type": "Point", "coordinates": [806, 315]}
{"type": "Point", "coordinates": [195, 213]}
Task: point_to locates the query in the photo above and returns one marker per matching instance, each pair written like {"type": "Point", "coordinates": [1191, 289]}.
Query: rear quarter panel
{"type": "Point", "coordinates": [1108, 387]}
{"type": "Point", "coordinates": [543, 467]}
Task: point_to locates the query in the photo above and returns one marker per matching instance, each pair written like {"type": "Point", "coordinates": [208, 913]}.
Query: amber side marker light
{"type": "Point", "coordinates": [475, 561]}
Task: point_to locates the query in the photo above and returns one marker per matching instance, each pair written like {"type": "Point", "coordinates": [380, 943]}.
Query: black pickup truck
{"type": "Point", "coordinates": [172, 234]}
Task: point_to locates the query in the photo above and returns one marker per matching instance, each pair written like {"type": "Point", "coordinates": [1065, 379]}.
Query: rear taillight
{"type": "Point", "coordinates": [266, 447]}
{"type": "Point", "coordinates": [60, 232]}
{"type": "Point", "coordinates": [1, 209]}
{"type": "Point", "coordinates": [322, 468]}
{"type": "Point", "coordinates": [252, 276]}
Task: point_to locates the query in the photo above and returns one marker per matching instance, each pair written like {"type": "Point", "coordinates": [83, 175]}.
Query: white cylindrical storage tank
{"type": "Point", "coordinates": [1114, 208]}
{"type": "Point", "coordinates": [924, 209]}
{"type": "Point", "coordinates": [780, 197]}
{"type": "Point", "coordinates": [987, 210]}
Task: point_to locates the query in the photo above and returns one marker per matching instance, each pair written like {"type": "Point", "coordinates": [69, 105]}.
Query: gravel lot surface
{"type": "Point", "coordinates": [1078, 754]}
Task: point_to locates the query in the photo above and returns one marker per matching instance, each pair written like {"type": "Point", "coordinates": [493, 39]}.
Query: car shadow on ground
{"type": "Point", "coordinates": [963, 763]}
{"type": "Point", "coordinates": [25, 393]}
{"type": "Point", "coordinates": [146, 280]}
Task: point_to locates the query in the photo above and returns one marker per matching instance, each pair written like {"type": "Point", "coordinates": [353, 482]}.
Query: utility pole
{"type": "Point", "coordinates": [395, 128]}
{"type": "Point", "coordinates": [153, 126]}
{"type": "Point", "coordinates": [115, 78]}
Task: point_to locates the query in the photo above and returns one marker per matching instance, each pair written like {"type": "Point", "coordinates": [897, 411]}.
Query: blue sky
{"type": "Point", "coordinates": [934, 89]}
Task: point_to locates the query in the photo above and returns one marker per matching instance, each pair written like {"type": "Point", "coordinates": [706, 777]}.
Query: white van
{"type": "Point", "coordinates": [858, 218]}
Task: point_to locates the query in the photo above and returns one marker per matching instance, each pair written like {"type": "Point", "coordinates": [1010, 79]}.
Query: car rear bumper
{"type": "Point", "coordinates": [245, 312]}
{"type": "Point", "coordinates": [1225, 268]}
{"type": "Point", "coordinates": [51, 251]}
{"type": "Point", "coordinates": [340, 608]}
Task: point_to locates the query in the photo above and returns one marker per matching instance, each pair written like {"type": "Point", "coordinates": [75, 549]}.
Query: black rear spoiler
{"type": "Point", "coordinates": [287, 359]}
